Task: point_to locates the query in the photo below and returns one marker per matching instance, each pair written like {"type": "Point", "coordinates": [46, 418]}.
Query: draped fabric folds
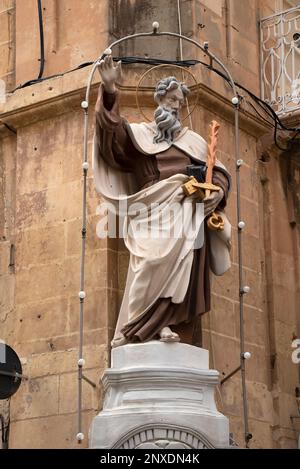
{"type": "Point", "coordinates": [168, 280]}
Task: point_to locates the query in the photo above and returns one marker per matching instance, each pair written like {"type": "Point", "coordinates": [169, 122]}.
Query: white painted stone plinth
{"type": "Point", "coordinates": [159, 395]}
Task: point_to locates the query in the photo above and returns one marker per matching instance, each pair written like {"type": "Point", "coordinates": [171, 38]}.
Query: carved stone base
{"type": "Point", "coordinates": [159, 395]}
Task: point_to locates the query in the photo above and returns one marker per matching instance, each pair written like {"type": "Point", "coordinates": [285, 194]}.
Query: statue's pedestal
{"type": "Point", "coordinates": [159, 395]}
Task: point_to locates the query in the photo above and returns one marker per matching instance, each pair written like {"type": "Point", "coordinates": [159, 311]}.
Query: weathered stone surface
{"type": "Point", "coordinates": [39, 208]}
{"type": "Point", "coordinates": [288, 377]}
{"type": "Point", "coordinates": [236, 428]}
{"type": "Point", "coordinates": [94, 337]}
{"type": "Point", "coordinates": [74, 238]}
{"type": "Point", "coordinates": [210, 25]}
{"type": "Point", "coordinates": [283, 270]}
{"type": "Point", "coordinates": [285, 438]}
{"type": "Point", "coordinates": [214, 5]}
{"type": "Point", "coordinates": [123, 260]}
{"type": "Point", "coordinates": [251, 250]}
{"type": "Point", "coordinates": [285, 335]}
{"type": "Point", "coordinates": [29, 401]}
{"type": "Point", "coordinates": [231, 397]}
{"type": "Point", "coordinates": [7, 187]}
{"type": "Point", "coordinates": [40, 152]}
{"type": "Point", "coordinates": [50, 283]}
{"type": "Point", "coordinates": [61, 53]}
{"type": "Point", "coordinates": [245, 25]}
{"type": "Point", "coordinates": [41, 319]}
{"type": "Point", "coordinates": [285, 307]}
{"type": "Point", "coordinates": [224, 353]}
{"type": "Point", "coordinates": [6, 21]}
{"type": "Point", "coordinates": [7, 292]}
{"type": "Point", "coordinates": [254, 324]}
{"type": "Point", "coordinates": [124, 15]}
{"type": "Point", "coordinates": [261, 431]}
{"type": "Point", "coordinates": [95, 310]}
{"type": "Point", "coordinates": [39, 246]}
{"type": "Point", "coordinates": [254, 280]}
{"type": "Point", "coordinates": [260, 402]}
{"type": "Point", "coordinates": [227, 285]}
{"type": "Point", "coordinates": [262, 434]}
{"type": "Point", "coordinates": [287, 408]}
{"type": "Point", "coordinates": [58, 362]}
{"type": "Point", "coordinates": [61, 343]}
{"type": "Point", "coordinates": [258, 367]}
{"type": "Point", "coordinates": [222, 317]}
{"type": "Point", "coordinates": [68, 386]}
{"type": "Point", "coordinates": [244, 51]}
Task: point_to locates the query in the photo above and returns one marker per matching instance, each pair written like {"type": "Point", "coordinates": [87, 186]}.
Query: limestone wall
{"type": "Point", "coordinates": [7, 43]}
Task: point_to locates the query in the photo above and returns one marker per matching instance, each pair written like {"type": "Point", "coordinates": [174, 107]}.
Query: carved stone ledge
{"type": "Point", "coordinates": [59, 95]}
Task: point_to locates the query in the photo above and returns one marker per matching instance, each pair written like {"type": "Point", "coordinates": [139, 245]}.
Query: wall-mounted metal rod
{"type": "Point", "coordinates": [242, 291]}
{"type": "Point", "coordinates": [13, 374]}
{"type": "Point", "coordinates": [80, 435]}
{"type": "Point", "coordinates": [94, 385]}
{"type": "Point", "coordinates": [230, 375]}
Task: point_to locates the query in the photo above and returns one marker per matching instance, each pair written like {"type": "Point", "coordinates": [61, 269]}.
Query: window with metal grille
{"type": "Point", "coordinates": [280, 57]}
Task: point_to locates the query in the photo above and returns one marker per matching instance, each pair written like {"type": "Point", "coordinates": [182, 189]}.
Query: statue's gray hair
{"type": "Point", "coordinates": [168, 84]}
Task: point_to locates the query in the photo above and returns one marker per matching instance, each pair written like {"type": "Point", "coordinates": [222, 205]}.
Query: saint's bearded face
{"type": "Point", "coordinates": [167, 116]}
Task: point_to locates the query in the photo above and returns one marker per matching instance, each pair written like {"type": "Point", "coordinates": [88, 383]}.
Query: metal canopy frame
{"type": "Point", "coordinates": [155, 33]}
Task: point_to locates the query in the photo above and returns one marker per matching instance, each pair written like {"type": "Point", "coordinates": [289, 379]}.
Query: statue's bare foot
{"type": "Point", "coordinates": [118, 341]}
{"type": "Point", "coordinates": [166, 335]}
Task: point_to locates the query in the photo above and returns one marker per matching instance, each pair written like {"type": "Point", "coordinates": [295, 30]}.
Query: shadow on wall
{"type": "Point", "coordinates": [124, 15]}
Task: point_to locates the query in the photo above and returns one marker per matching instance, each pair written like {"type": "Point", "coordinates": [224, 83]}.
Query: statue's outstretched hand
{"type": "Point", "coordinates": [109, 74]}
{"type": "Point", "coordinates": [212, 201]}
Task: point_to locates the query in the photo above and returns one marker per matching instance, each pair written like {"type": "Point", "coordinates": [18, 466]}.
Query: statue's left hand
{"type": "Point", "coordinates": [212, 201]}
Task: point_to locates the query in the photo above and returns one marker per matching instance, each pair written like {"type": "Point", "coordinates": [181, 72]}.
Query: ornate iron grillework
{"type": "Point", "coordinates": [280, 60]}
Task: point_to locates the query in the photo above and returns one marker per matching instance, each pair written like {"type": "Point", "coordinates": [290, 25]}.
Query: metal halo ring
{"type": "Point", "coordinates": [160, 66]}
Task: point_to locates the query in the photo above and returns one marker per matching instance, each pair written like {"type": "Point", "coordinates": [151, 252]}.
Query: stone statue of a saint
{"type": "Point", "coordinates": [146, 165]}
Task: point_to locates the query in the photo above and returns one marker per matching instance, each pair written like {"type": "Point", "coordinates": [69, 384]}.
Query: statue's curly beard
{"type": "Point", "coordinates": [167, 123]}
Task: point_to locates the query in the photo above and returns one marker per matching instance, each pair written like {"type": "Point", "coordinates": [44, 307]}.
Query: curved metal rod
{"type": "Point", "coordinates": [85, 105]}
{"type": "Point", "coordinates": [154, 34]}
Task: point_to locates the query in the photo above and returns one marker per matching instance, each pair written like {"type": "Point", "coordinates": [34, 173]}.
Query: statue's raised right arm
{"type": "Point", "coordinates": [110, 129]}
